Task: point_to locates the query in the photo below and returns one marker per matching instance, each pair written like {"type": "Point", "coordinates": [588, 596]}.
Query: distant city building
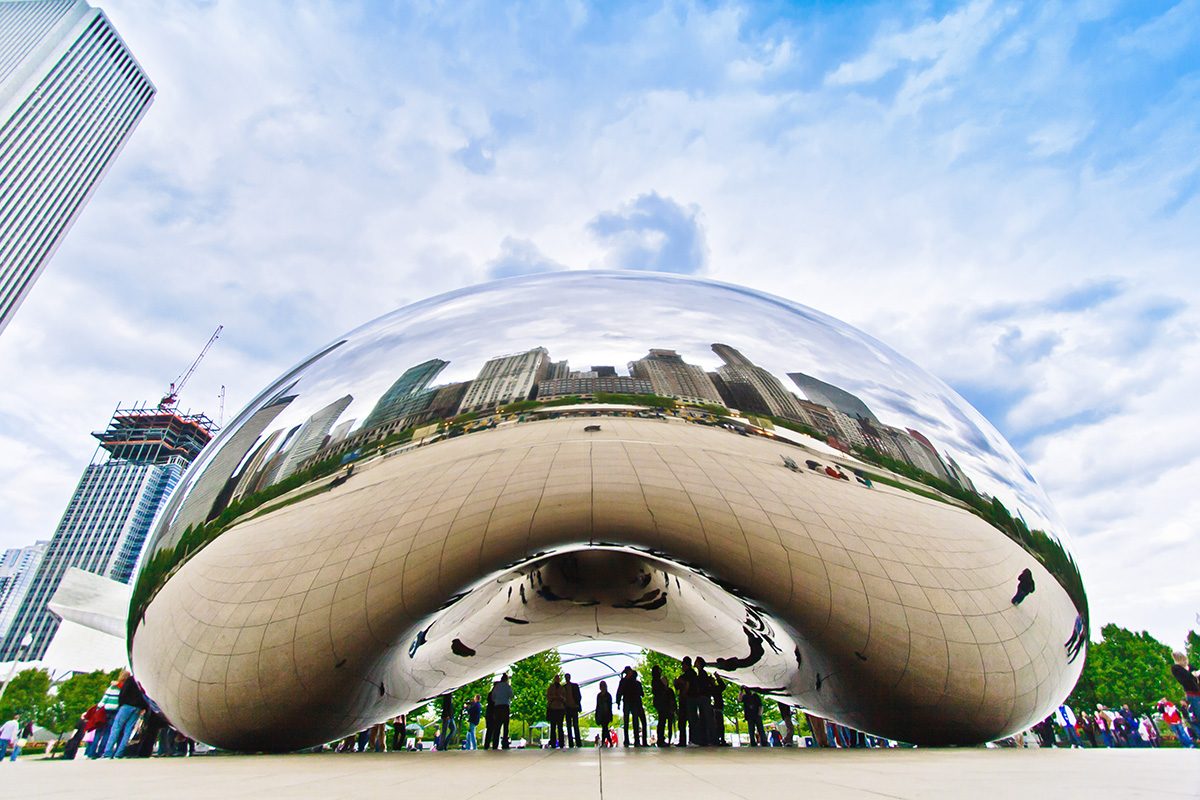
{"type": "Point", "coordinates": [760, 388]}
{"type": "Point", "coordinates": [826, 394]}
{"type": "Point", "coordinates": [17, 568]}
{"type": "Point", "coordinates": [557, 369]}
{"type": "Point", "coordinates": [110, 514]}
{"type": "Point", "coordinates": [71, 93]}
{"type": "Point", "coordinates": [507, 379]}
{"type": "Point", "coordinates": [588, 383]}
{"type": "Point", "coordinates": [398, 400]}
{"type": "Point", "coordinates": [670, 376]}
{"type": "Point", "coordinates": [311, 437]}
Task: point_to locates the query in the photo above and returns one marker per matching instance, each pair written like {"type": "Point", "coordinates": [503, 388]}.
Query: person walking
{"type": "Point", "coordinates": [556, 712]}
{"type": "Point", "coordinates": [683, 686]}
{"type": "Point", "coordinates": [502, 695]}
{"type": "Point", "coordinates": [131, 705]}
{"type": "Point", "coordinates": [8, 736]}
{"type": "Point", "coordinates": [1066, 718]}
{"type": "Point", "coordinates": [474, 711]}
{"type": "Point", "coordinates": [604, 712]}
{"type": "Point", "coordinates": [664, 706]}
{"type": "Point", "coordinates": [752, 709]}
{"type": "Point", "coordinates": [574, 707]}
{"type": "Point", "coordinates": [629, 693]}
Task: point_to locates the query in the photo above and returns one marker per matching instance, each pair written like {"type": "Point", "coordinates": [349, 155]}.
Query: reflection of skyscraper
{"type": "Point", "coordinates": [671, 376]}
{"type": "Point", "coordinates": [507, 379]}
{"type": "Point", "coordinates": [201, 504]}
{"type": "Point", "coordinates": [108, 518]}
{"type": "Point", "coordinates": [71, 93]}
{"type": "Point", "coordinates": [826, 394]}
{"type": "Point", "coordinates": [311, 437]}
{"type": "Point", "coordinates": [17, 568]}
{"type": "Point", "coordinates": [558, 369]}
{"type": "Point", "coordinates": [392, 404]}
{"type": "Point", "coordinates": [758, 385]}
{"type": "Point", "coordinates": [255, 469]}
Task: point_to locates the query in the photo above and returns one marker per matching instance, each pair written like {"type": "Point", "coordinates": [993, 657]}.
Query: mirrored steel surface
{"type": "Point", "coordinates": [687, 466]}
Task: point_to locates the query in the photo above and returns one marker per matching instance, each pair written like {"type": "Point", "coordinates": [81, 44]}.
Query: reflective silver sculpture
{"type": "Point", "coordinates": [687, 466]}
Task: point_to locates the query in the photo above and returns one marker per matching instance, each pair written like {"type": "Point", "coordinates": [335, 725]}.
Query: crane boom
{"type": "Point", "coordinates": [172, 395]}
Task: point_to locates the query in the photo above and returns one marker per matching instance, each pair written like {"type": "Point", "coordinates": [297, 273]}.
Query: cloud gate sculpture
{"type": "Point", "coordinates": [682, 465]}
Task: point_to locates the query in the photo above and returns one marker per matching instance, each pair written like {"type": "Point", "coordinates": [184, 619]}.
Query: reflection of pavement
{"type": "Point", "coordinates": [899, 603]}
{"type": "Point", "coordinates": [695, 774]}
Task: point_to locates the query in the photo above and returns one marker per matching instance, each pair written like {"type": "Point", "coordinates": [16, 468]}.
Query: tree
{"type": "Point", "coordinates": [74, 696]}
{"type": "Point", "coordinates": [27, 696]}
{"type": "Point", "coordinates": [463, 695]}
{"type": "Point", "coordinates": [530, 677]}
{"type": "Point", "coordinates": [1125, 667]}
{"type": "Point", "coordinates": [1192, 649]}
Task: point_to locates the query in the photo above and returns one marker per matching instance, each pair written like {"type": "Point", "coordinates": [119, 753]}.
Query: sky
{"type": "Point", "coordinates": [1005, 193]}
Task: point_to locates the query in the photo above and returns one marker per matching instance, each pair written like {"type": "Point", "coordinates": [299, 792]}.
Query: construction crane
{"type": "Point", "coordinates": [172, 395]}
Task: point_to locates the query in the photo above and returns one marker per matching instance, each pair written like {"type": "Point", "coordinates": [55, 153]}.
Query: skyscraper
{"type": "Point", "coordinates": [745, 378]}
{"type": "Point", "coordinates": [70, 95]}
{"type": "Point", "coordinates": [17, 568]}
{"type": "Point", "coordinates": [507, 379]}
{"type": "Point", "coordinates": [146, 451]}
{"type": "Point", "coordinates": [826, 394]}
{"type": "Point", "coordinates": [311, 437]}
{"type": "Point", "coordinates": [671, 376]}
{"type": "Point", "coordinates": [395, 402]}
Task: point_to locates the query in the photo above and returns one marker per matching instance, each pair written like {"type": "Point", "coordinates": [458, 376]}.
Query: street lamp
{"type": "Point", "coordinates": [25, 642]}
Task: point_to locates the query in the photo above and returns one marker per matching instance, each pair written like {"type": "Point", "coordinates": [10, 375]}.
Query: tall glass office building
{"type": "Point", "coordinates": [142, 455]}
{"type": "Point", "coordinates": [71, 93]}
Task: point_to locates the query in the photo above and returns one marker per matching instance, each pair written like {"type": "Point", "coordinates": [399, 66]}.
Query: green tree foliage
{"type": "Point", "coordinates": [1192, 649]}
{"type": "Point", "coordinates": [1125, 667]}
{"type": "Point", "coordinates": [75, 695]}
{"type": "Point", "coordinates": [671, 667]}
{"type": "Point", "coordinates": [530, 677]}
{"type": "Point", "coordinates": [27, 697]}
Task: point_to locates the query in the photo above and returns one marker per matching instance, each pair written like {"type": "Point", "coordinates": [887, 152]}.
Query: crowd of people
{"type": "Point", "coordinates": [688, 710]}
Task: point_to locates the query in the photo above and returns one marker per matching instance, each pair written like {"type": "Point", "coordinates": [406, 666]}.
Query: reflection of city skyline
{"type": "Point", "coordinates": [830, 413]}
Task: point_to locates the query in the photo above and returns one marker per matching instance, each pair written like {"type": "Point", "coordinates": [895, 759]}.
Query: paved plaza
{"type": "Point", "coordinates": [587, 774]}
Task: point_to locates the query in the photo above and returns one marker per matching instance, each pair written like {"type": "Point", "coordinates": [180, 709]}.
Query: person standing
{"type": "Point", "coordinates": [399, 733]}
{"type": "Point", "coordinates": [556, 712]}
{"type": "Point", "coordinates": [629, 693]}
{"type": "Point", "coordinates": [1174, 720]}
{"type": "Point", "coordinates": [785, 714]}
{"type": "Point", "coordinates": [752, 709]}
{"type": "Point", "coordinates": [717, 693]}
{"type": "Point", "coordinates": [702, 699]}
{"type": "Point", "coordinates": [1186, 675]}
{"type": "Point", "coordinates": [604, 713]}
{"type": "Point", "coordinates": [131, 705]}
{"type": "Point", "coordinates": [8, 736]}
{"type": "Point", "coordinates": [683, 686]}
{"type": "Point", "coordinates": [502, 695]}
{"type": "Point", "coordinates": [109, 704]}
{"type": "Point", "coordinates": [574, 707]}
{"type": "Point", "coordinates": [474, 711]}
{"type": "Point", "coordinates": [448, 726]}
{"type": "Point", "coordinates": [664, 706]}
{"type": "Point", "coordinates": [489, 720]}
{"type": "Point", "coordinates": [1104, 724]}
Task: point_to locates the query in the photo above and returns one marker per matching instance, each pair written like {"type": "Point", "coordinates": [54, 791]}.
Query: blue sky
{"type": "Point", "coordinates": [1004, 192]}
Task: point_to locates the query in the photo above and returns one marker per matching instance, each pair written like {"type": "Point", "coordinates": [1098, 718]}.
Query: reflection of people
{"type": "Point", "coordinates": [1024, 586]}
{"type": "Point", "coordinates": [1075, 643]}
{"type": "Point", "coordinates": [604, 712]}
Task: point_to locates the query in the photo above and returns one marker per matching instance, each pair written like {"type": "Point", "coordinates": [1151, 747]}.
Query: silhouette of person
{"type": "Point", "coordinates": [717, 693]}
{"type": "Point", "coordinates": [574, 706]}
{"type": "Point", "coordinates": [629, 694]}
{"type": "Point", "coordinates": [752, 709]}
{"type": "Point", "coordinates": [664, 706]}
{"type": "Point", "coordinates": [701, 698]}
{"type": "Point", "coordinates": [604, 713]}
{"type": "Point", "coordinates": [556, 711]}
{"type": "Point", "coordinates": [683, 691]}
{"type": "Point", "coordinates": [1024, 586]}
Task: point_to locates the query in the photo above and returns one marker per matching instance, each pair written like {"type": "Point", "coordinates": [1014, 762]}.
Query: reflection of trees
{"type": "Point", "coordinates": [1041, 545]}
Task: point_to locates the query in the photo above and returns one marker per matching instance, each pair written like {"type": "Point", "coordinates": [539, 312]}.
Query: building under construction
{"type": "Point", "coordinates": [143, 453]}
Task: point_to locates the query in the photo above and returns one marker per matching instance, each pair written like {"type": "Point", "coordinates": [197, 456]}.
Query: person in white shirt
{"type": "Point", "coordinates": [8, 736]}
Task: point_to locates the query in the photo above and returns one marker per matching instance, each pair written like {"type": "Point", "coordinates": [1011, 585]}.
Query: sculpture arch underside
{"type": "Point", "coordinates": [877, 607]}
